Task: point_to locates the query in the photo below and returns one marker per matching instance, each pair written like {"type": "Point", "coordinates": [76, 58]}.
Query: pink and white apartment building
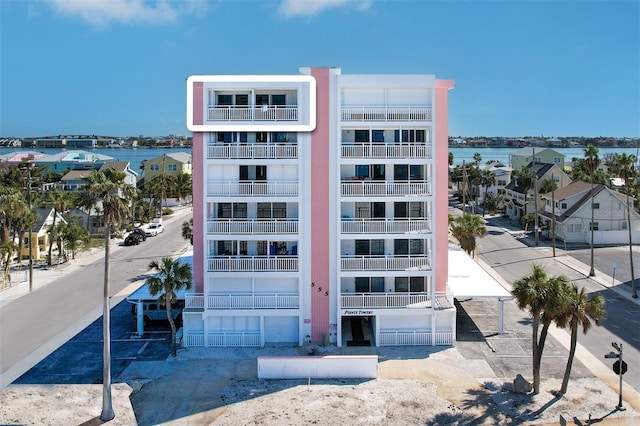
{"type": "Point", "coordinates": [320, 210]}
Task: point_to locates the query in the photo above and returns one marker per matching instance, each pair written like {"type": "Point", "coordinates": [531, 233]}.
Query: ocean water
{"type": "Point", "coordinates": [136, 155]}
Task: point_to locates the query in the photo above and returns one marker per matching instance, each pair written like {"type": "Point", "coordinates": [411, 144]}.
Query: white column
{"type": "Point", "coordinates": [500, 316]}
{"type": "Point", "coordinates": [140, 317]}
{"type": "Point", "coordinates": [262, 331]}
{"type": "Point", "coordinates": [433, 327]}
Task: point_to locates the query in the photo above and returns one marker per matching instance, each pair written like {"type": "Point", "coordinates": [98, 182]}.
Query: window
{"type": "Point", "coordinates": [261, 137]}
{"type": "Point", "coordinates": [417, 172]}
{"type": "Point", "coordinates": [378, 136]}
{"type": "Point", "coordinates": [408, 247]}
{"type": "Point", "coordinates": [409, 136]}
{"type": "Point", "coordinates": [593, 226]}
{"type": "Point", "coordinates": [403, 210]}
{"type": "Point", "coordinates": [362, 171]}
{"type": "Point", "coordinates": [226, 248]}
{"type": "Point", "coordinates": [154, 167]}
{"type": "Point", "coordinates": [272, 210]}
{"type": "Point", "coordinates": [563, 205]}
{"type": "Point", "coordinates": [361, 136]}
{"type": "Point", "coordinates": [379, 210]}
{"type": "Point", "coordinates": [595, 206]}
{"type": "Point", "coordinates": [225, 137]}
{"type": "Point", "coordinates": [410, 284]}
{"type": "Point", "coordinates": [225, 100]}
{"type": "Point", "coordinates": [262, 100]}
{"type": "Point", "coordinates": [369, 284]}
{"type": "Point", "coordinates": [172, 167]}
{"type": "Point", "coordinates": [378, 172]}
{"type": "Point", "coordinates": [401, 172]}
{"type": "Point", "coordinates": [369, 247]}
{"type": "Point", "coordinates": [279, 137]}
{"type": "Point", "coordinates": [242, 100]}
{"type": "Point", "coordinates": [229, 210]}
{"type": "Point", "coordinates": [278, 100]}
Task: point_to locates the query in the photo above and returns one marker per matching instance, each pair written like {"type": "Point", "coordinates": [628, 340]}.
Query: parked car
{"type": "Point", "coordinates": [154, 229]}
{"type": "Point", "coordinates": [154, 311]}
{"type": "Point", "coordinates": [140, 231]}
{"type": "Point", "coordinates": [133, 239]}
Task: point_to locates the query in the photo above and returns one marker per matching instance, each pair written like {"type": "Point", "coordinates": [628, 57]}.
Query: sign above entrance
{"type": "Point", "coordinates": [356, 312]}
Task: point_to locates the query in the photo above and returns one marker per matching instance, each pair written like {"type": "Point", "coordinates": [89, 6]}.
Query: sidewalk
{"type": "Point", "coordinates": [43, 276]}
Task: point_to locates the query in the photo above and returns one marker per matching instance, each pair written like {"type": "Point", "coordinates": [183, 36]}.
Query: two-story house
{"type": "Point", "coordinates": [524, 156]}
{"type": "Point", "coordinates": [571, 207]}
{"type": "Point", "coordinates": [320, 210]}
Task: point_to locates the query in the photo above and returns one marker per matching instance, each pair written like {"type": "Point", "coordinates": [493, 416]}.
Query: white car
{"type": "Point", "coordinates": [154, 229]}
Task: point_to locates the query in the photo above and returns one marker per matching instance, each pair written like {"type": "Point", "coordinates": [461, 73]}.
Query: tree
{"type": "Point", "coordinates": [74, 236]}
{"type": "Point", "coordinates": [466, 229]}
{"type": "Point", "coordinates": [187, 230]}
{"type": "Point", "coordinates": [550, 185]}
{"type": "Point", "coordinates": [108, 186]}
{"type": "Point", "coordinates": [524, 181]}
{"type": "Point", "coordinates": [60, 202]}
{"type": "Point", "coordinates": [625, 168]}
{"type": "Point", "coordinates": [591, 164]}
{"type": "Point", "coordinates": [450, 158]}
{"type": "Point", "coordinates": [172, 276]}
{"type": "Point", "coordinates": [579, 311]}
{"type": "Point", "coordinates": [183, 186]}
{"type": "Point", "coordinates": [487, 179]}
{"type": "Point", "coordinates": [544, 298]}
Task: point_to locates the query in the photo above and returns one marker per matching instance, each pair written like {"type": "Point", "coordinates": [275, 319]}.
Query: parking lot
{"type": "Point", "coordinates": [79, 361]}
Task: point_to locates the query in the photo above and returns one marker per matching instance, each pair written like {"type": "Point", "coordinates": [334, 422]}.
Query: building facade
{"type": "Point", "coordinates": [320, 210]}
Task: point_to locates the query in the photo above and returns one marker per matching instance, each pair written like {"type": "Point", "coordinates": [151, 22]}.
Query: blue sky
{"type": "Point", "coordinates": [119, 67]}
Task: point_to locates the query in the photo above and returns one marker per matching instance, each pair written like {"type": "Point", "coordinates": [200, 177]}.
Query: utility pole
{"type": "Point", "coordinates": [30, 231]}
{"type": "Point", "coordinates": [535, 195]}
{"type": "Point", "coordinates": [553, 215]}
{"type": "Point", "coordinates": [465, 182]}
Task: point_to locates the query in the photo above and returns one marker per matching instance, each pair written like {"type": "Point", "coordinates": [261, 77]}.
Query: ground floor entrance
{"type": "Point", "coordinates": [358, 331]}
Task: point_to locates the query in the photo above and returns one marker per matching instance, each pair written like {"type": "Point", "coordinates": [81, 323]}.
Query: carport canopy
{"type": "Point", "coordinates": [469, 280]}
{"type": "Point", "coordinates": [142, 294]}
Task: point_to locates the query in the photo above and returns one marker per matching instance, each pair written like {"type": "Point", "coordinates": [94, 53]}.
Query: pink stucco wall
{"type": "Point", "coordinates": [198, 201]}
{"type": "Point", "coordinates": [441, 189]}
{"type": "Point", "coordinates": [320, 139]}
{"type": "Point", "coordinates": [198, 93]}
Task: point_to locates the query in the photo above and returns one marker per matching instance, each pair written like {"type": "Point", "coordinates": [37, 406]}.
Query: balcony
{"type": "Point", "coordinates": [252, 188]}
{"type": "Point", "coordinates": [388, 226]}
{"type": "Point", "coordinates": [252, 264]}
{"type": "Point", "coordinates": [385, 300]}
{"type": "Point", "coordinates": [382, 151]}
{"type": "Point", "coordinates": [243, 301]}
{"type": "Point", "coordinates": [385, 263]}
{"type": "Point", "coordinates": [247, 113]}
{"type": "Point", "coordinates": [372, 188]}
{"type": "Point", "coordinates": [252, 226]}
{"type": "Point", "coordinates": [386, 113]}
{"type": "Point", "coordinates": [253, 151]}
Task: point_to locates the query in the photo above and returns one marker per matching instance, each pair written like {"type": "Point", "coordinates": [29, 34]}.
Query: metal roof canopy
{"type": "Point", "coordinates": [469, 280]}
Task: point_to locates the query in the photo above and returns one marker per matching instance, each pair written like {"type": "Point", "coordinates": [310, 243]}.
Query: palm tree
{"type": "Point", "coordinates": [591, 163]}
{"type": "Point", "coordinates": [580, 311]}
{"type": "Point", "coordinates": [466, 229]}
{"type": "Point", "coordinates": [524, 181]}
{"type": "Point", "coordinates": [544, 298]}
{"type": "Point", "coordinates": [172, 276]}
{"type": "Point", "coordinates": [187, 230]}
{"type": "Point", "coordinates": [60, 201]}
{"type": "Point", "coordinates": [108, 186]}
{"type": "Point", "coordinates": [183, 186]}
{"type": "Point", "coordinates": [487, 179]}
{"type": "Point", "coordinates": [625, 168]}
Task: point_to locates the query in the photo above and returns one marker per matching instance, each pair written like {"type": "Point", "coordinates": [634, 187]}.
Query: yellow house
{"type": "Point", "coordinates": [167, 164]}
{"type": "Point", "coordinates": [39, 234]}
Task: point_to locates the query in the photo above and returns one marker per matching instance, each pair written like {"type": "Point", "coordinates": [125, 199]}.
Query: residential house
{"type": "Point", "coordinates": [167, 164]}
{"type": "Point", "coordinates": [518, 203]}
{"type": "Point", "coordinates": [73, 160]}
{"type": "Point", "coordinates": [320, 210]}
{"type": "Point", "coordinates": [39, 233]}
{"type": "Point", "coordinates": [571, 207]}
{"type": "Point", "coordinates": [524, 156]}
{"type": "Point", "coordinates": [503, 178]}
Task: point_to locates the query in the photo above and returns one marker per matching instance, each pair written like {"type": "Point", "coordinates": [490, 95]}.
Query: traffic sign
{"type": "Point", "coordinates": [612, 355]}
{"type": "Point", "coordinates": [616, 367]}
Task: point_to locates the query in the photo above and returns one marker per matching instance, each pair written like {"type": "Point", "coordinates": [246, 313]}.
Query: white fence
{"type": "Point", "coordinates": [318, 367]}
{"type": "Point", "coordinates": [415, 338]}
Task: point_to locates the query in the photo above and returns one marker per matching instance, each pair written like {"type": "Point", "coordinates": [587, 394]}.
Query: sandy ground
{"type": "Point", "coordinates": [330, 402]}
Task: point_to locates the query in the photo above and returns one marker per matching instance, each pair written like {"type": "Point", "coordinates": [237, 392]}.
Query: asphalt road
{"type": "Point", "coordinates": [512, 258]}
{"type": "Point", "coordinates": [37, 323]}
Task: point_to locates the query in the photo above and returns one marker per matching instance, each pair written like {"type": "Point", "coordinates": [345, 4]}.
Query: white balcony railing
{"type": "Point", "coordinates": [236, 339]}
{"type": "Point", "coordinates": [252, 226]}
{"type": "Point", "coordinates": [385, 263]}
{"type": "Point", "coordinates": [386, 113]}
{"type": "Point", "coordinates": [368, 188]}
{"type": "Point", "coordinates": [253, 301]}
{"type": "Point", "coordinates": [414, 338]}
{"type": "Point", "coordinates": [385, 300]}
{"type": "Point", "coordinates": [252, 188]}
{"type": "Point", "coordinates": [389, 226]}
{"type": "Point", "coordinates": [194, 301]}
{"type": "Point", "coordinates": [386, 151]}
{"type": "Point", "coordinates": [250, 151]}
{"type": "Point", "coordinates": [252, 264]}
{"type": "Point", "coordinates": [247, 113]}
